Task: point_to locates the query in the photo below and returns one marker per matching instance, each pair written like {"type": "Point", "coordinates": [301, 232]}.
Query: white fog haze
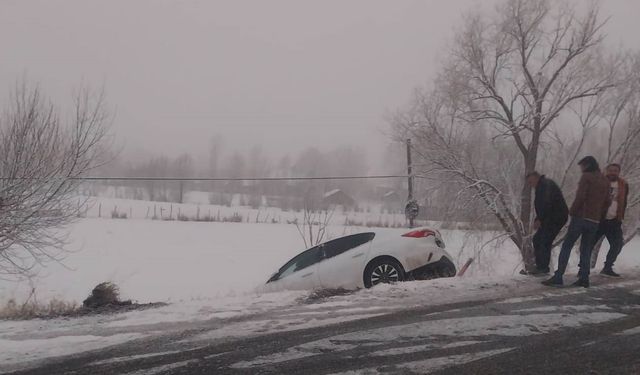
{"type": "Point", "coordinates": [338, 187]}
{"type": "Point", "coordinates": [282, 74]}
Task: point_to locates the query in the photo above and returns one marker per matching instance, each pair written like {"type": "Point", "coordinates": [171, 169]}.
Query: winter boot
{"type": "Point", "coordinates": [540, 272]}
{"type": "Point", "coordinates": [608, 272]}
{"type": "Point", "coordinates": [555, 281]}
{"type": "Point", "coordinates": [584, 283]}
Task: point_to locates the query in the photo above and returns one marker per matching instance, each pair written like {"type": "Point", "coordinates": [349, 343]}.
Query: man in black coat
{"type": "Point", "coordinates": [552, 214]}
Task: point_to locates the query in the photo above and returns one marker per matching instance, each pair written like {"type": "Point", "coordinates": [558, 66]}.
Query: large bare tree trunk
{"type": "Point", "coordinates": [526, 247]}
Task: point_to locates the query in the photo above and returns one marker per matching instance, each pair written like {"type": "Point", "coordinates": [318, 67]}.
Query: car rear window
{"type": "Point", "coordinates": [343, 244]}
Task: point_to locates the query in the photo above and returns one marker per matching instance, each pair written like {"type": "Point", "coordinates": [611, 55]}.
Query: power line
{"type": "Point", "coordinates": [238, 178]}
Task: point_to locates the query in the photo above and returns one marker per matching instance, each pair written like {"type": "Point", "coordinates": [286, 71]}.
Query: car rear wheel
{"type": "Point", "coordinates": [442, 268]}
{"type": "Point", "coordinates": [448, 269]}
{"type": "Point", "coordinates": [383, 271]}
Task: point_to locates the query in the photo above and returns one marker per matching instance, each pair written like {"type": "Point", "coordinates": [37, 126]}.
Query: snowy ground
{"type": "Point", "coordinates": [211, 274]}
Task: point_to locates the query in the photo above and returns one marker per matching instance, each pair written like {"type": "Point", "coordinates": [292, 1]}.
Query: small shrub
{"type": "Point", "coordinates": [119, 215]}
{"type": "Point", "coordinates": [104, 294]}
{"type": "Point", "coordinates": [235, 218]}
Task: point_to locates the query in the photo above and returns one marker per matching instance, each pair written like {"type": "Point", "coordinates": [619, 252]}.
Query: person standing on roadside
{"type": "Point", "coordinates": [552, 214]}
{"type": "Point", "coordinates": [611, 226]}
{"type": "Point", "coordinates": [587, 210]}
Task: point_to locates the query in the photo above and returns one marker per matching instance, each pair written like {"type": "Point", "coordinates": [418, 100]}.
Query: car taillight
{"type": "Point", "coordinates": [421, 233]}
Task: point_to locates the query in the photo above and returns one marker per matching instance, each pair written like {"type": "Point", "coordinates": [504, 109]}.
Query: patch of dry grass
{"type": "Point", "coordinates": [32, 309]}
{"type": "Point", "coordinates": [104, 299]}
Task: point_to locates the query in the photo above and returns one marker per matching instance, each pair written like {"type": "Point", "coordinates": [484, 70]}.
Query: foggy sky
{"type": "Point", "coordinates": [283, 73]}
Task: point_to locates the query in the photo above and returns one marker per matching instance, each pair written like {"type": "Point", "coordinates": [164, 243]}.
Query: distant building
{"type": "Point", "coordinates": [391, 202]}
{"type": "Point", "coordinates": [338, 197]}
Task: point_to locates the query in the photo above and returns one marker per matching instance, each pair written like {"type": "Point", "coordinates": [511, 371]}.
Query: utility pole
{"type": "Point", "coordinates": [409, 170]}
{"type": "Point", "coordinates": [411, 209]}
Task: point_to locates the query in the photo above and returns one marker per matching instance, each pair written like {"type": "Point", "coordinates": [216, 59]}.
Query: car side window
{"type": "Point", "coordinates": [340, 245]}
{"type": "Point", "coordinates": [301, 261]}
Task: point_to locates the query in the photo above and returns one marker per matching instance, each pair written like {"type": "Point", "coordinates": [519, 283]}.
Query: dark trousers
{"type": "Point", "coordinates": [612, 231]}
{"type": "Point", "coordinates": [578, 227]}
{"type": "Point", "coordinates": [543, 243]}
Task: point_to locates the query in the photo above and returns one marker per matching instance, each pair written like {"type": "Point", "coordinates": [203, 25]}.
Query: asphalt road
{"type": "Point", "coordinates": [548, 331]}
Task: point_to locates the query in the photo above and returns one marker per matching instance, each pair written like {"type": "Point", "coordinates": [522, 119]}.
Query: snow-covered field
{"type": "Point", "coordinates": [210, 272]}
{"type": "Point", "coordinates": [156, 260]}
{"type": "Point", "coordinates": [196, 205]}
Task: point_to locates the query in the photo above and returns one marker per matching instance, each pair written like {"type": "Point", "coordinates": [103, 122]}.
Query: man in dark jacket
{"type": "Point", "coordinates": [611, 226]}
{"type": "Point", "coordinates": [587, 210]}
{"type": "Point", "coordinates": [551, 215]}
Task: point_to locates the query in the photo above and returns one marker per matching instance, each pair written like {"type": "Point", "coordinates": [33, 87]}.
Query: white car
{"type": "Point", "coordinates": [367, 259]}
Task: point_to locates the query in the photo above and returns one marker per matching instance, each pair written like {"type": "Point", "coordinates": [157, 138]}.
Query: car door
{"type": "Point", "coordinates": [343, 261]}
{"type": "Point", "coordinates": [301, 271]}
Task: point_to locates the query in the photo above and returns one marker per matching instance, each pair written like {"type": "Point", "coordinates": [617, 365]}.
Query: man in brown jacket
{"type": "Point", "coordinates": [587, 210]}
{"type": "Point", "coordinates": [611, 226]}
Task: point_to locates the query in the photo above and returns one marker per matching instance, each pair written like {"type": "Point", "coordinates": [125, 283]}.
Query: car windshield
{"type": "Point", "coordinates": [301, 261]}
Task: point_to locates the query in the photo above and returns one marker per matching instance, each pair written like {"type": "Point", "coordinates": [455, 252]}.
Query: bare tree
{"type": "Point", "coordinates": [258, 165]}
{"type": "Point", "coordinates": [216, 145]}
{"type": "Point", "coordinates": [348, 161]}
{"type": "Point", "coordinates": [514, 75]}
{"type": "Point", "coordinates": [182, 167]}
{"type": "Point", "coordinates": [313, 227]}
{"type": "Point", "coordinates": [42, 155]}
{"type": "Point", "coordinates": [157, 167]}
